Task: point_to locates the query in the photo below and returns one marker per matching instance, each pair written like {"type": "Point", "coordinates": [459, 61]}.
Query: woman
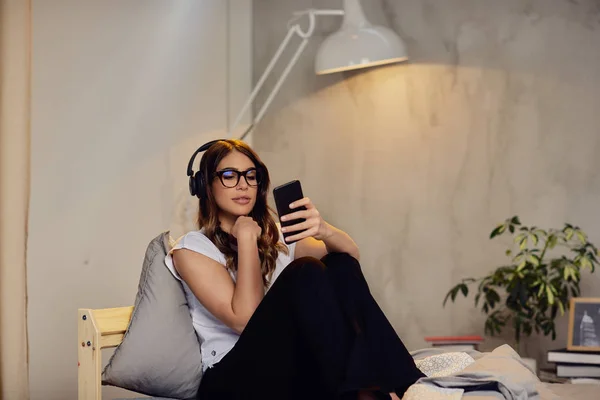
{"type": "Point", "coordinates": [277, 320]}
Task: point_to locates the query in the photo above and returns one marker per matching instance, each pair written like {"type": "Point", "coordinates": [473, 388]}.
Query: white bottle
{"type": "Point", "coordinates": [587, 332]}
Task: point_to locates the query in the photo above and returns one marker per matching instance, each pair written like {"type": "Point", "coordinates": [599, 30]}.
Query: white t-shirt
{"type": "Point", "coordinates": [216, 338]}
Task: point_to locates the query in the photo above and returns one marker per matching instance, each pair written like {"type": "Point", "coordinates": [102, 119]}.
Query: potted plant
{"type": "Point", "coordinates": [542, 275]}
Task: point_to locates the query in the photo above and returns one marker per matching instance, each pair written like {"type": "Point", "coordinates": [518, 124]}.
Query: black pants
{"type": "Point", "coordinates": [317, 334]}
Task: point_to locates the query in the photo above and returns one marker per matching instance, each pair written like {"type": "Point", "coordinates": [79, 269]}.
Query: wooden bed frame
{"type": "Point", "coordinates": [96, 330]}
{"type": "Point", "coordinates": [99, 329]}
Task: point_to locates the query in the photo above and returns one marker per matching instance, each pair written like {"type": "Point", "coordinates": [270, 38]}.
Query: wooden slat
{"type": "Point", "coordinates": [111, 340]}
{"type": "Point", "coordinates": [89, 357]}
{"type": "Point", "coordinates": [112, 320]}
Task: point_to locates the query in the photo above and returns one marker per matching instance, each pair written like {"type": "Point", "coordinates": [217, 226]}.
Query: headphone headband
{"type": "Point", "coordinates": [202, 148]}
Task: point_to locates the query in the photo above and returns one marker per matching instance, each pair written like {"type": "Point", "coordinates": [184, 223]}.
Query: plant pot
{"type": "Point", "coordinates": [531, 363]}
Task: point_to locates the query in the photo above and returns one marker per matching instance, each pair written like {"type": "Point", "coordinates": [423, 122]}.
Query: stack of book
{"type": "Point", "coordinates": [455, 343]}
{"type": "Point", "coordinates": [576, 366]}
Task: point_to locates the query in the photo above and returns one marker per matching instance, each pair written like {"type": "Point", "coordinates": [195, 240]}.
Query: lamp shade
{"type": "Point", "coordinates": [358, 44]}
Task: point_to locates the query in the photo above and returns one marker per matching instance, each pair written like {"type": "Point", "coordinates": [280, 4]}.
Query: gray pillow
{"type": "Point", "coordinates": [160, 353]}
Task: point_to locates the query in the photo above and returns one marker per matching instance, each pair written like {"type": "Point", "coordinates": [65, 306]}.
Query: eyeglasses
{"type": "Point", "coordinates": [231, 177]}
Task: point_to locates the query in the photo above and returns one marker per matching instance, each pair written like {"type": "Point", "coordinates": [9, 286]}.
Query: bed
{"type": "Point", "coordinates": [105, 328]}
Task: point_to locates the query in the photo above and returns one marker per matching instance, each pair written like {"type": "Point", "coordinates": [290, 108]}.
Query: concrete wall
{"type": "Point", "coordinates": [496, 114]}
{"type": "Point", "coordinates": [123, 93]}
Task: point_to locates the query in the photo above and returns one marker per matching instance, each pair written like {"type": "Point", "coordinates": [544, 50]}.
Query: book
{"type": "Point", "coordinates": [456, 347]}
{"type": "Point", "coordinates": [455, 343]}
{"type": "Point", "coordinates": [565, 356]}
{"type": "Point", "coordinates": [577, 371]}
{"type": "Point", "coordinates": [585, 381]}
{"type": "Point", "coordinates": [473, 339]}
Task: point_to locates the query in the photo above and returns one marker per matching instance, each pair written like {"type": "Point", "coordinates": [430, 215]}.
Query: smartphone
{"type": "Point", "coordinates": [285, 195]}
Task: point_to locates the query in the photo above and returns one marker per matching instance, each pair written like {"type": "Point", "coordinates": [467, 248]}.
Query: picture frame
{"type": "Point", "coordinates": [584, 324]}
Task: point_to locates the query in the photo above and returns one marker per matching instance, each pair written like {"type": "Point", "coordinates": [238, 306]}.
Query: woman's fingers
{"type": "Point", "coordinates": [305, 214]}
{"type": "Point", "coordinates": [300, 236]}
{"type": "Point", "coordinates": [302, 202]}
{"type": "Point", "coordinates": [297, 227]}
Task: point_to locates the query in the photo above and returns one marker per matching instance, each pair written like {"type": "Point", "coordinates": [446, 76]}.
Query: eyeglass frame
{"type": "Point", "coordinates": [239, 174]}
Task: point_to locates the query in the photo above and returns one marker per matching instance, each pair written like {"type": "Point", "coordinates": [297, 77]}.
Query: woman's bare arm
{"type": "Point", "coordinates": [212, 285]}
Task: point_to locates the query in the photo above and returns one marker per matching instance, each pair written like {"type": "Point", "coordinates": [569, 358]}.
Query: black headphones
{"type": "Point", "coordinates": [197, 180]}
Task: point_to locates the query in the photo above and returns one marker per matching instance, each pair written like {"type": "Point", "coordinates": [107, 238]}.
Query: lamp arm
{"type": "Point", "coordinates": [263, 78]}
{"type": "Point", "coordinates": [276, 88]}
{"type": "Point", "coordinates": [292, 30]}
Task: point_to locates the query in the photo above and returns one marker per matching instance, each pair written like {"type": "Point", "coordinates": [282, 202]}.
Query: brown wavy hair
{"type": "Point", "coordinates": [208, 214]}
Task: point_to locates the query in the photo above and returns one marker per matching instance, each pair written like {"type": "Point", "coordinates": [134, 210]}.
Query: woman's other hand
{"type": "Point", "coordinates": [246, 227]}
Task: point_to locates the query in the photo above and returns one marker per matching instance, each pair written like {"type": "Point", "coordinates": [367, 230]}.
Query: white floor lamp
{"type": "Point", "coordinates": [358, 44]}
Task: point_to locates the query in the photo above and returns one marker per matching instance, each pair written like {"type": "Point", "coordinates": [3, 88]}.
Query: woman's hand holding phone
{"type": "Point", "coordinates": [313, 226]}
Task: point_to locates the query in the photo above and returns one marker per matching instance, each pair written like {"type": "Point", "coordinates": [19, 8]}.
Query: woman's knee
{"type": "Point", "coordinates": [330, 264]}
{"type": "Point", "coordinates": [340, 260]}
{"type": "Point", "coordinates": [342, 267]}
{"type": "Point", "coordinates": [302, 276]}
{"type": "Point", "coordinates": [305, 266]}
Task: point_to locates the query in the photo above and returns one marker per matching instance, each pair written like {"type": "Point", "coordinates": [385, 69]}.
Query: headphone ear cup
{"type": "Point", "coordinates": [200, 185]}
{"type": "Point", "coordinates": [192, 185]}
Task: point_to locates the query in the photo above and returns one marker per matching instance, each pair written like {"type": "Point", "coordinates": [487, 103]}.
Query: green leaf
{"type": "Point", "coordinates": [520, 237]}
{"type": "Point", "coordinates": [508, 252]}
{"type": "Point", "coordinates": [523, 243]}
{"type": "Point", "coordinates": [568, 233]}
{"type": "Point", "coordinates": [451, 295]}
{"type": "Point", "coordinates": [497, 231]}
{"type": "Point", "coordinates": [511, 228]}
{"type": "Point", "coordinates": [585, 262]}
{"type": "Point", "coordinates": [541, 289]}
{"type": "Point", "coordinates": [581, 236]}
{"type": "Point", "coordinates": [535, 238]}
{"type": "Point", "coordinates": [552, 239]}
{"type": "Point", "coordinates": [464, 289]}
{"type": "Point", "coordinates": [554, 310]}
{"type": "Point", "coordinates": [561, 306]}
{"type": "Point", "coordinates": [550, 295]}
{"type": "Point", "coordinates": [489, 328]}
{"type": "Point", "coordinates": [541, 233]}
{"type": "Point", "coordinates": [515, 220]}
{"type": "Point", "coordinates": [533, 259]}
{"type": "Point", "coordinates": [492, 297]}
{"type": "Point", "coordinates": [521, 265]}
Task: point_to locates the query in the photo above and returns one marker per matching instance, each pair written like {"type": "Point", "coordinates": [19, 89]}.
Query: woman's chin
{"type": "Point", "coordinates": [241, 210]}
